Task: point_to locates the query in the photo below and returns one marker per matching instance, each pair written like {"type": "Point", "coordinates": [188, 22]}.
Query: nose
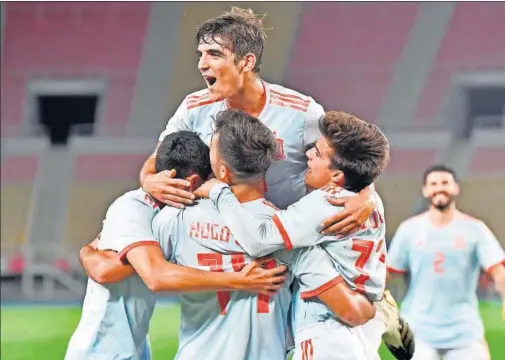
{"type": "Point", "coordinates": [202, 63]}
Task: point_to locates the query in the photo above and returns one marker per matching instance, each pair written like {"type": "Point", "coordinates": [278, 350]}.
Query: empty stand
{"type": "Point", "coordinates": [483, 198]}
{"type": "Point", "coordinates": [78, 40]}
{"type": "Point", "coordinates": [345, 54]}
{"type": "Point", "coordinates": [98, 180]}
{"type": "Point", "coordinates": [473, 41]}
{"type": "Point", "coordinates": [18, 175]}
{"type": "Point", "coordinates": [488, 161]}
{"type": "Point", "coordinates": [400, 185]}
{"type": "Point", "coordinates": [410, 162]}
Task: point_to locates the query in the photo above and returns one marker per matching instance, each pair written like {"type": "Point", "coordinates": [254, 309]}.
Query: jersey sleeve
{"type": "Point", "coordinates": [298, 226]}
{"type": "Point", "coordinates": [312, 267]}
{"type": "Point", "coordinates": [126, 226]}
{"type": "Point", "coordinates": [311, 127]}
{"type": "Point", "coordinates": [489, 251]}
{"type": "Point", "coordinates": [179, 121]}
{"type": "Point", "coordinates": [398, 251]}
{"type": "Point", "coordinates": [163, 225]}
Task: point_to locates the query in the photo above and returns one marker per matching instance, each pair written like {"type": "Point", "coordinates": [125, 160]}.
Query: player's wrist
{"type": "Point", "coordinates": [236, 281]}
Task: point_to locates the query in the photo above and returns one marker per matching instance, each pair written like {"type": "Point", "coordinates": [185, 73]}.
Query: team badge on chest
{"type": "Point", "coordinates": [279, 153]}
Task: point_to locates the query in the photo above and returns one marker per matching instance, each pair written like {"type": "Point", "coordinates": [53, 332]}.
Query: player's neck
{"type": "Point", "coordinates": [441, 218]}
{"type": "Point", "coordinates": [251, 99]}
{"type": "Point", "coordinates": [249, 191]}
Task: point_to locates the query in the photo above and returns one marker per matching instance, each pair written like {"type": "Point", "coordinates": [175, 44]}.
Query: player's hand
{"type": "Point", "coordinates": [163, 187]}
{"type": "Point", "coordinates": [204, 190]}
{"type": "Point", "coordinates": [357, 209]}
{"type": "Point", "coordinates": [254, 278]}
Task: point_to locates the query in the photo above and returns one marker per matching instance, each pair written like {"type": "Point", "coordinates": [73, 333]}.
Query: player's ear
{"type": "Point", "coordinates": [194, 182]}
{"type": "Point", "coordinates": [226, 175]}
{"type": "Point", "coordinates": [425, 192]}
{"type": "Point", "coordinates": [456, 189]}
{"type": "Point", "coordinates": [337, 177]}
{"type": "Point", "coordinates": [249, 62]}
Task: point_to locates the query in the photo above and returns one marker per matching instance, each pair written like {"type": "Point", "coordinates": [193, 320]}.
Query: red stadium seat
{"type": "Point", "coordinates": [472, 42]}
{"type": "Point", "coordinates": [340, 62]}
{"type": "Point", "coordinates": [77, 40]}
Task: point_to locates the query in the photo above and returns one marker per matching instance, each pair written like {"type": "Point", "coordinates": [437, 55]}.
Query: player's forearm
{"type": "Point", "coordinates": [177, 278]}
{"type": "Point", "coordinates": [498, 275]}
{"type": "Point", "coordinates": [103, 266]}
{"type": "Point", "coordinates": [258, 237]}
{"type": "Point", "coordinates": [349, 306]}
{"type": "Point", "coordinates": [148, 168]}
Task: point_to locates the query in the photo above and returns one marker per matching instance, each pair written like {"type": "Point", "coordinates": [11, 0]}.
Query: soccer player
{"type": "Point", "coordinates": [443, 249]}
{"type": "Point", "coordinates": [237, 325]}
{"type": "Point", "coordinates": [230, 49]}
{"type": "Point", "coordinates": [115, 317]}
{"type": "Point", "coordinates": [349, 156]}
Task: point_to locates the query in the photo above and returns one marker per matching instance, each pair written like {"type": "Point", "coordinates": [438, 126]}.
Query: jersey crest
{"type": "Point", "coordinates": [279, 143]}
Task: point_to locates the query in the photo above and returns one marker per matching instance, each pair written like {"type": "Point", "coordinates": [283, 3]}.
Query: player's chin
{"type": "Point", "coordinates": [216, 94]}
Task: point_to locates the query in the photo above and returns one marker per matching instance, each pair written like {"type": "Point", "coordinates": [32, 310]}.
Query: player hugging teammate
{"type": "Point", "coordinates": [338, 279]}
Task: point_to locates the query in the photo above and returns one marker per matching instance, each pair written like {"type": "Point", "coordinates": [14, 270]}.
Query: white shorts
{"type": "Point", "coordinates": [477, 350]}
{"type": "Point", "coordinates": [332, 341]}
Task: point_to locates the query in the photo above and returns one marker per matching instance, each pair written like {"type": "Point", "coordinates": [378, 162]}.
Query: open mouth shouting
{"type": "Point", "coordinates": [210, 80]}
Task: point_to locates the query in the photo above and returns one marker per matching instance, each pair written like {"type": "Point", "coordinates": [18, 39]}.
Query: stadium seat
{"type": "Point", "coordinates": [399, 197]}
{"type": "Point", "coordinates": [338, 60]}
{"type": "Point", "coordinates": [98, 181]}
{"type": "Point", "coordinates": [471, 42]}
{"type": "Point", "coordinates": [488, 161]}
{"type": "Point", "coordinates": [18, 176]}
{"type": "Point", "coordinates": [400, 185]}
{"type": "Point", "coordinates": [483, 198]}
{"type": "Point", "coordinates": [84, 40]}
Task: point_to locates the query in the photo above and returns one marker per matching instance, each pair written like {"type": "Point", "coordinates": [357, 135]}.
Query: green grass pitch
{"type": "Point", "coordinates": [42, 333]}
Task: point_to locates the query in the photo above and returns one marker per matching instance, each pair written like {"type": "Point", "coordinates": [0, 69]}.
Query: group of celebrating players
{"type": "Point", "coordinates": [254, 282]}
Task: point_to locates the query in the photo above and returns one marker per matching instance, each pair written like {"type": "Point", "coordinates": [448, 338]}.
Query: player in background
{"type": "Point", "coordinates": [443, 249]}
{"type": "Point", "coordinates": [230, 49]}
{"type": "Point", "coordinates": [237, 325]}
{"type": "Point", "coordinates": [115, 317]}
{"type": "Point", "coordinates": [348, 157]}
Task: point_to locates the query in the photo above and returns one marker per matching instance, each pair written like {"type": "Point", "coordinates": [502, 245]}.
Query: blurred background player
{"type": "Point", "coordinates": [348, 157]}
{"type": "Point", "coordinates": [235, 325]}
{"type": "Point", "coordinates": [116, 315]}
{"type": "Point", "coordinates": [443, 251]}
{"type": "Point", "coordinates": [230, 49]}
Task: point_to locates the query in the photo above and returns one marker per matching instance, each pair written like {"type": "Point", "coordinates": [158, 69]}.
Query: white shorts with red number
{"type": "Point", "coordinates": [332, 341]}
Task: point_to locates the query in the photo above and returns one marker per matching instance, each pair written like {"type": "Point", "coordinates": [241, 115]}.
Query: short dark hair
{"type": "Point", "coordinates": [239, 30]}
{"type": "Point", "coordinates": [361, 149]}
{"type": "Point", "coordinates": [185, 152]}
{"type": "Point", "coordinates": [245, 144]}
{"type": "Point", "coordinates": [439, 168]}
